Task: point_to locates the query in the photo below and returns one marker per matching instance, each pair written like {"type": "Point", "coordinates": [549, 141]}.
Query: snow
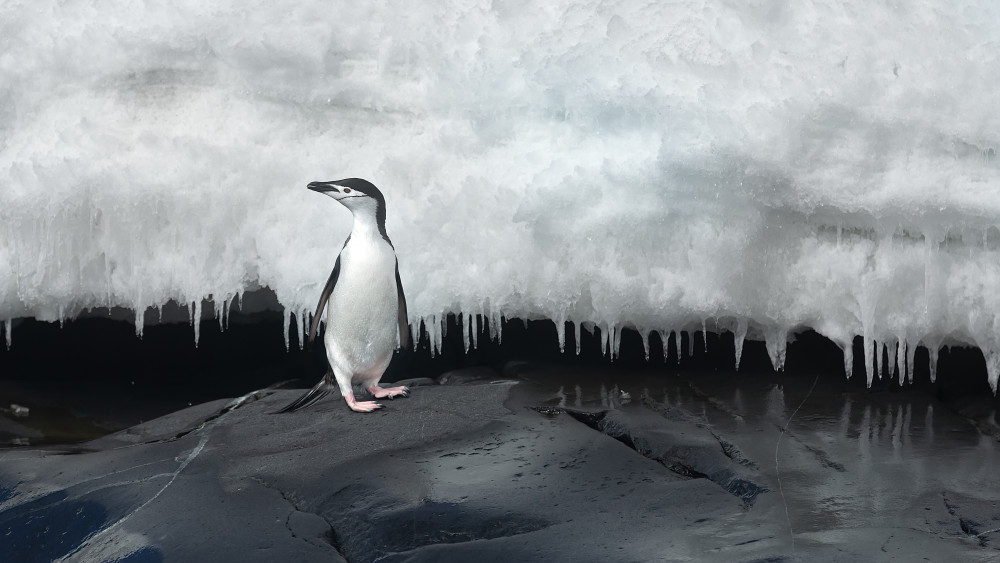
{"type": "Point", "coordinates": [754, 167]}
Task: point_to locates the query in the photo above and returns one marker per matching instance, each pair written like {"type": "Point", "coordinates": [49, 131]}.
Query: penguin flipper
{"type": "Point", "coordinates": [320, 390]}
{"type": "Point", "coordinates": [330, 283]}
{"type": "Point", "coordinates": [404, 323]}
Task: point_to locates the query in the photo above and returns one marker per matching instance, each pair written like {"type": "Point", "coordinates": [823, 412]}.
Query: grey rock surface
{"type": "Point", "coordinates": [544, 470]}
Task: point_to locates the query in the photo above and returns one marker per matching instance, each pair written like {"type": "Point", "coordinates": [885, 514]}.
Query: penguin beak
{"type": "Point", "coordinates": [322, 187]}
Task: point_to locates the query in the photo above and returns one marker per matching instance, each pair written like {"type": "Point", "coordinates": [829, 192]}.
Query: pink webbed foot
{"type": "Point", "coordinates": [361, 406]}
{"type": "Point", "coordinates": [390, 392]}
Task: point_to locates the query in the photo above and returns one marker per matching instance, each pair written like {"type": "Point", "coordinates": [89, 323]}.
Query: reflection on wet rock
{"type": "Point", "coordinates": [681, 447]}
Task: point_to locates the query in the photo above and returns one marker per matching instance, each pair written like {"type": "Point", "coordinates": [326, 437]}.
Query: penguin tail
{"type": "Point", "coordinates": [320, 390]}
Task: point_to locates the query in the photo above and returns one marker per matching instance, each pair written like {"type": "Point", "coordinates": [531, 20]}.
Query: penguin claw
{"type": "Point", "coordinates": [390, 393]}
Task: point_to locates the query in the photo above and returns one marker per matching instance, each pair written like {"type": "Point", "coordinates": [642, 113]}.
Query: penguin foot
{"type": "Point", "coordinates": [389, 393]}
{"type": "Point", "coordinates": [362, 406]}
{"type": "Point", "coordinates": [365, 406]}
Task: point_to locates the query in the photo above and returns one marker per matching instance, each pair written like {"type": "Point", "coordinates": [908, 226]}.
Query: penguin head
{"type": "Point", "coordinates": [353, 193]}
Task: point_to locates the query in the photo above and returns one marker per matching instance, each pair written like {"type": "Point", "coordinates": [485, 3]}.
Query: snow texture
{"type": "Point", "coordinates": [755, 167]}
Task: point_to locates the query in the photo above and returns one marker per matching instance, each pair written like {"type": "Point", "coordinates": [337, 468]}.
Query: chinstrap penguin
{"type": "Point", "coordinates": [366, 306]}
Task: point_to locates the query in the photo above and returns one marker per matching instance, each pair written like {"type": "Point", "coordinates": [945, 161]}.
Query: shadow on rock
{"type": "Point", "coordinates": [369, 526]}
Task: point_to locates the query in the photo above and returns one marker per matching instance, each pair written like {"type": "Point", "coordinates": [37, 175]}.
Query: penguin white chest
{"type": "Point", "coordinates": [362, 313]}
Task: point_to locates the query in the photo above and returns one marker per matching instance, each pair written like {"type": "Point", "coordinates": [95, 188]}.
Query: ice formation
{"type": "Point", "coordinates": [757, 167]}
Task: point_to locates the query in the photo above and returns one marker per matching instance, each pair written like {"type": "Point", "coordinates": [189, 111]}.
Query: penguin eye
{"type": "Point", "coordinates": [347, 190]}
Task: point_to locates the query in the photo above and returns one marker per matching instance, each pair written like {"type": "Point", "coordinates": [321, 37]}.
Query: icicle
{"type": "Point", "coordinates": [848, 349]}
{"type": "Point", "coordinates": [932, 351]}
{"type": "Point", "coordinates": [8, 327]}
{"type": "Point", "coordinates": [690, 343]}
{"type": "Point", "coordinates": [494, 324]}
{"type": "Point", "coordinates": [475, 321]}
{"type": "Point", "coordinates": [879, 364]}
{"type": "Point", "coordinates": [664, 337]}
{"type": "Point", "coordinates": [617, 331]}
{"type": "Point", "coordinates": [499, 328]}
{"type": "Point", "coordinates": [226, 307]}
{"type": "Point", "coordinates": [429, 328]}
{"type": "Point", "coordinates": [992, 368]}
{"type": "Point", "coordinates": [677, 345]}
{"type": "Point", "coordinates": [442, 332]}
{"type": "Point", "coordinates": [139, 318]}
{"type": "Point", "coordinates": [464, 317]}
{"type": "Point", "coordinates": [576, 332]}
{"type": "Point", "coordinates": [220, 305]}
{"type": "Point", "coordinates": [901, 359]}
{"type": "Point", "coordinates": [645, 343]}
{"type": "Point", "coordinates": [466, 331]}
{"type": "Point", "coordinates": [301, 326]}
{"type": "Point", "coordinates": [704, 335]}
{"type": "Point", "coordinates": [286, 314]}
{"type": "Point", "coordinates": [738, 337]}
{"type": "Point", "coordinates": [561, 333]}
{"type": "Point", "coordinates": [869, 357]}
{"type": "Point", "coordinates": [196, 321]}
{"type": "Point", "coordinates": [776, 341]}
{"type": "Point", "coordinates": [911, 352]}
{"type": "Point", "coordinates": [438, 327]}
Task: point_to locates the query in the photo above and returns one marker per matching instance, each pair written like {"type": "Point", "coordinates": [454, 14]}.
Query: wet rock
{"type": "Point", "coordinates": [474, 473]}
{"type": "Point", "coordinates": [976, 517]}
{"type": "Point", "coordinates": [466, 376]}
{"type": "Point", "coordinates": [371, 525]}
{"type": "Point", "coordinates": [241, 472]}
{"type": "Point", "coordinates": [414, 382]}
{"type": "Point", "coordinates": [680, 446]}
{"type": "Point", "coordinates": [549, 411]}
{"type": "Point", "coordinates": [163, 428]}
